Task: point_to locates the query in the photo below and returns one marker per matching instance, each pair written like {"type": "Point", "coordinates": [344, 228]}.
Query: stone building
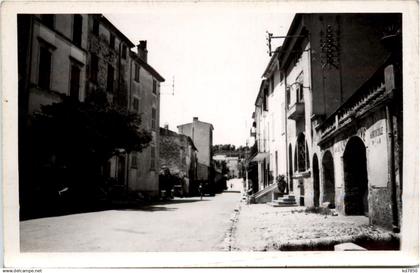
{"type": "Point", "coordinates": [341, 77]}
{"type": "Point", "coordinates": [179, 154]}
{"type": "Point", "coordinates": [202, 135]}
{"type": "Point", "coordinates": [132, 84]}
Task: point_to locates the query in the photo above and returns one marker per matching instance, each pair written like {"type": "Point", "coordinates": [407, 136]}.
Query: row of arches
{"type": "Point", "coordinates": [355, 177]}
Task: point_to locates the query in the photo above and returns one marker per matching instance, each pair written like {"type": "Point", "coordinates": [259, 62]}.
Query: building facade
{"type": "Point", "coordinates": [52, 60]}
{"type": "Point", "coordinates": [144, 99]}
{"type": "Point", "coordinates": [53, 49]}
{"type": "Point", "coordinates": [179, 154]}
{"type": "Point", "coordinates": [202, 135]}
{"type": "Point", "coordinates": [341, 79]}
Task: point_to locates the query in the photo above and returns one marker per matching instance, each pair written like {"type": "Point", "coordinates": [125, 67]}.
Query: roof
{"type": "Point", "coordinates": [260, 95]}
{"type": "Point", "coordinates": [289, 42]}
{"type": "Point", "coordinates": [271, 63]}
{"type": "Point", "coordinates": [104, 20]}
{"type": "Point", "coordinates": [211, 125]}
{"type": "Point", "coordinates": [146, 66]}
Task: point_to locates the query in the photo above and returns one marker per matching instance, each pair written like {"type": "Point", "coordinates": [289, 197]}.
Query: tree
{"type": "Point", "coordinates": [78, 138]}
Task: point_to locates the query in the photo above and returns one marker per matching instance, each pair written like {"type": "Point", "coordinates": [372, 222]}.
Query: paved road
{"type": "Point", "coordinates": [184, 224]}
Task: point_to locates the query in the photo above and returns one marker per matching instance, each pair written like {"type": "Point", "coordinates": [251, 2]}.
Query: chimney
{"type": "Point", "coordinates": [142, 50]}
{"type": "Point", "coordinates": [195, 118]}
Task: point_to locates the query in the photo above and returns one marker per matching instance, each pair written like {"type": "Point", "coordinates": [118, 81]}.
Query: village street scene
{"type": "Point", "coordinates": [167, 132]}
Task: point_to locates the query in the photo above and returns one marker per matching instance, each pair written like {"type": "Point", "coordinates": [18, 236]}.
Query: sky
{"type": "Point", "coordinates": [214, 56]}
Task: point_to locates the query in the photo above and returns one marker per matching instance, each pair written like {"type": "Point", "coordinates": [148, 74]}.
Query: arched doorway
{"type": "Point", "coordinates": [290, 168]}
{"type": "Point", "coordinates": [328, 179]}
{"type": "Point", "coordinates": [315, 170]}
{"type": "Point", "coordinates": [355, 178]}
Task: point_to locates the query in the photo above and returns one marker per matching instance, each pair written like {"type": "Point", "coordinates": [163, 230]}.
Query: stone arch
{"type": "Point", "coordinates": [355, 178]}
{"type": "Point", "coordinates": [328, 179]}
{"type": "Point", "coordinates": [315, 177]}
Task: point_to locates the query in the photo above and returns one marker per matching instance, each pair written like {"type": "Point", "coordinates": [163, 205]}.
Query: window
{"type": "Point", "coordinates": [136, 103]}
{"type": "Point", "coordinates": [48, 20]}
{"type": "Point", "coordinates": [154, 86]}
{"type": "Point", "coordinates": [265, 99]}
{"type": "Point", "coordinates": [299, 92]}
{"type": "Point", "coordinates": [77, 29]}
{"type": "Point", "coordinates": [288, 96]}
{"type": "Point", "coordinates": [44, 76]}
{"type": "Point", "coordinates": [74, 81]}
{"type": "Point", "coordinates": [271, 84]}
{"type": "Point", "coordinates": [152, 157]}
{"type": "Point", "coordinates": [124, 52]}
{"type": "Point", "coordinates": [112, 41]}
{"type": "Point", "coordinates": [153, 118]}
{"type": "Point", "coordinates": [95, 27]}
{"type": "Point", "coordinates": [302, 156]}
{"type": "Point", "coordinates": [94, 68]}
{"type": "Point", "coordinates": [110, 79]}
{"type": "Point", "coordinates": [137, 72]}
{"type": "Point", "coordinates": [134, 161]}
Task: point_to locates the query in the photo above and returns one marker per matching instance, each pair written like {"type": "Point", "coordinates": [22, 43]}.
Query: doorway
{"type": "Point", "coordinates": [315, 170]}
{"type": "Point", "coordinates": [355, 178]}
{"type": "Point", "coordinates": [328, 179]}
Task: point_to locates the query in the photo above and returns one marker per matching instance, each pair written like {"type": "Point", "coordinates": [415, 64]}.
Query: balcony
{"type": "Point", "coordinates": [296, 111]}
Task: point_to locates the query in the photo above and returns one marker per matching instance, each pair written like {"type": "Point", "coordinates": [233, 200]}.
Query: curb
{"type": "Point", "coordinates": [227, 242]}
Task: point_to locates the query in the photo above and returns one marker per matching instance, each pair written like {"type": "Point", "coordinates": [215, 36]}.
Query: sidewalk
{"type": "Point", "coordinates": [261, 227]}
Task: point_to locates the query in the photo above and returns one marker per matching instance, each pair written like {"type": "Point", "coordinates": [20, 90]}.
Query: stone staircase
{"type": "Point", "coordinates": [285, 201]}
{"type": "Point", "coordinates": [264, 195]}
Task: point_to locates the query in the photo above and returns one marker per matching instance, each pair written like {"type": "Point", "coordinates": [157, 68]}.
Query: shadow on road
{"type": "Point", "coordinates": [143, 206]}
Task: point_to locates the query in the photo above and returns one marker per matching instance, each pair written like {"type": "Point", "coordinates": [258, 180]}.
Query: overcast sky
{"type": "Point", "coordinates": [217, 57]}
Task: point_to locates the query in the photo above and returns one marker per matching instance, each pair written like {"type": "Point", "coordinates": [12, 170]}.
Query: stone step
{"type": "Point", "coordinates": [284, 201]}
{"type": "Point", "coordinates": [290, 197]}
{"type": "Point", "coordinates": [275, 204]}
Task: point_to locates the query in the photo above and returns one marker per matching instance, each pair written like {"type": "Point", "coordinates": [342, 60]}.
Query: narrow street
{"type": "Point", "coordinates": [182, 224]}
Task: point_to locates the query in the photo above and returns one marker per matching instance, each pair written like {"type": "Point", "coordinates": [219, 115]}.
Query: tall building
{"type": "Point", "coordinates": [202, 135]}
{"type": "Point", "coordinates": [52, 60]}
{"type": "Point", "coordinates": [131, 84]}
{"type": "Point", "coordinates": [144, 99]}
{"type": "Point", "coordinates": [340, 77]}
{"type": "Point", "coordinates": [77, 55]}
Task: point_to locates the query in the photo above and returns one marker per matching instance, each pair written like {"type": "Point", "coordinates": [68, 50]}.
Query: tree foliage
{"type": "Point", "coordinates": [86, 134]}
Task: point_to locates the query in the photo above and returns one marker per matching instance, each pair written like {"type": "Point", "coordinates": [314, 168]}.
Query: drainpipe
{"type": "Point", "coordinates": [285, 132]}
{"type": "Point", "coordinates": [288, 174]}
{"type": "Point", "coordinates": [391, 171]}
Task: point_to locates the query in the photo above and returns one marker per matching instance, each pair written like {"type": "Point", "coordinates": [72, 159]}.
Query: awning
{"type": "Point", "coordinates": [260, 157]}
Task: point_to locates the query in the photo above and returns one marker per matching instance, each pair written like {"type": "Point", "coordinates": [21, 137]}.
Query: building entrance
{"type": "Point", "coordinates": [328, 179]}
{"type": "Point", "coordinates": [315, 170]}
{"type": "Point", "coordinates": [355, 178]}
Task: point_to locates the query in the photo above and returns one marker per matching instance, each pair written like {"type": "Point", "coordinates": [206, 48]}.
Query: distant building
{"type": "Point", "coordinates": [179, 154]}
{"type": "Point", "coordinates": [232, 163]}
{"type": "Point", "coordinates": [202, 135]}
